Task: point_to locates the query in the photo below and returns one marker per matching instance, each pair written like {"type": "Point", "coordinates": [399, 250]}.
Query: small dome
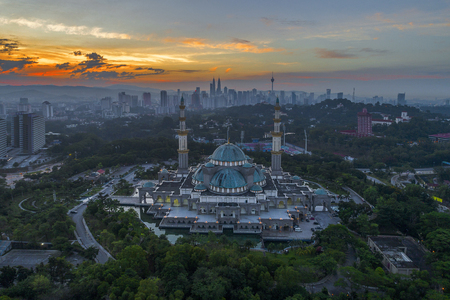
{"type": "Point", "coordinates": [198, 175]}
{"type": "Point", "coordinates": [164, 170]}
{"type": "Point", "coordinates": [296, 177]}
{"type": "Point", "coordinates": [228, 153]}
{"type": "Point", "coordinates": [256, 189]}
{"type": "Point", "coordinates": [258, 176]}
{"type": "Point", "coordinates": [200, 187]}
{"type": "Point", "coordinates": [320, 192]}
{"type": "Point", "coordinates": [247, 165]}
{"type": "Point", "coordinates": [149, 184]}
{"type": "Point", "coordinates": [228, 179]}
{"type": "Point", "coordinates": [209, 165]}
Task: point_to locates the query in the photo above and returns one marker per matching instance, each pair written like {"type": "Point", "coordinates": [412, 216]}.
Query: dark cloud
{"type": "Point", "coordinates": [187, 71]}
{"type": "Point", "coordinates": [239, 41]}
{"type": "Point", "coordinates": [94, 56]}
{"type": "Point", "coordinates": [100, 75]}
{"type": "Point", "coordinates": [77, 53]}
{"type": "Point", "coordinates": [64, 66]}
{"type": "Point", "coordinates": [115, 66]}
{"type": "Point", "coordinates": [94, 61]}
{"type": "Point", "coordinates": [287, 22]}
{"type": "Point", "coordinates": [7, 46]}
{"type": "Point", "coordinates": [155, 71]}
{"type": "Point", "coordinates": [6, 65]}
{"type": "Point", "coordinates": [139, 68]}
{"type": "Point", "coordinates": [325, 53]}
{"type": "Point", "coordinates": [374, 51]}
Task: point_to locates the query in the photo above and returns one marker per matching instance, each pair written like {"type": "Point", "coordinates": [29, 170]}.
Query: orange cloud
{"type": "Point", "coordinates": [227, 70]}
{"type": "Point", "coordinates": [236, 45]}
{"type": "Point", "coordinates": [213, 69]}
{"type": "Point", "coordinates": [324, 53]}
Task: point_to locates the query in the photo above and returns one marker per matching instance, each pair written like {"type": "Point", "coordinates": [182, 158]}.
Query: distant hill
{"type": "Point", "coordinates": [36, 93]}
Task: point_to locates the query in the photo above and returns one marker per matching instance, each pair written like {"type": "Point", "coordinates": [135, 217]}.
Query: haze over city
{"type": "Point", "coordinates": [380, 48]}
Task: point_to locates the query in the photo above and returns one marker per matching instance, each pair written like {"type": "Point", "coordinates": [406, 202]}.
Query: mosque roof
{"type": "Point", "coordinates": [320, 192]}
{"type": "Point", "coordinates": [247, 165]}
{"type": "Point", "coordinates": [228, 153]}
{"type": "Point", "coordinates": [296, 177]}
{"type": "Point", "coordinates": [256, 189]}
{"type": "Point", "coordinates": [228, 178]}
{"type": "Point", "coordinates": [198, 175]}
{"type": "Point", "coordinates": [209, 165]}
{"type": "Point", "coordinates": [258, 175]}
{"type": "Point", "coordinates": [148, 184]}
{"type": "Point", "coordinates": [200, 187]}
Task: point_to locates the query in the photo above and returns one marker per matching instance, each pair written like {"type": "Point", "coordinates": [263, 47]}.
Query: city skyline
{"type": "Point", "coordinates": [379, 49]}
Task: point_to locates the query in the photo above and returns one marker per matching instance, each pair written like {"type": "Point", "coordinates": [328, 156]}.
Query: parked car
{"type": "Point", "coordinates": [307, 220]}
{"type": "Point", "coordinates": [73, 211]}
{"type": "Point", "coordinates": [312, 229]}
{"type": "Point", "coordinates": [319, 228]}
{"type": "Point", "coordinates": [316, 223]}
{"type": "Point", "coordinates": [298, 229]}
{"type": "Point", "coordinates": [312, 218]}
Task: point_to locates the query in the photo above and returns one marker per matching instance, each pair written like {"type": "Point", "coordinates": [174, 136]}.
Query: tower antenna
{"type": "Point", "coordinates": [272, 82]}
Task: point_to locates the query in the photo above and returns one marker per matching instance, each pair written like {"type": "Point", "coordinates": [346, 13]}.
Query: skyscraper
{"type": "Point", "coordinates": [164, 102]}
{"type": "Point", "coordinates": [47, 110]}
{"type": "Point", "coordinates": [282, 99]}
{"type": "Point", "coordinates": [146, 99]}
{"type": "Point", "coordinates": [340, 95]}
{"type": "Point", "coordinates": [328, 93]}
{"type": "Point", "coordinates": [293, 98]}
{"type": "Point", "coordinates": [134, 101]}
{"type": "Point", "coordinates": [2, 138]}
{"type": "Point", "coordinates": [364, 124]}
{"type": "Point", "coordinates": [2, 109]}
{"type": "Point", "coordinates": [219, 88]}
{"type": "Point", "coordinates": [401, 99]}
{"type": "Point", "coordinates": [28, 132]}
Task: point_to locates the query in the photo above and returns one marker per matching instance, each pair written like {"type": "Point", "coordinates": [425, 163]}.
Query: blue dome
{"type": "Point", "coordinates": [200, 187]}
{"type": "Point", "coordinates": [296, 177]}
{"type": "Point", "coordinates": [198, 175]}
{"type": "Point", "coordinates": [228, 153]}
{"type": "Point", "coordinates": [256, 189]}
{"type": "Point", "coordinates": [228, 179]}
{"type": "Point", "coordinates": [209, 165]}
{"type": "Point", "coordinates": [149, 184]}
{"type": "Point", "coordinates": [320, 192]}
{"type": "Point", "coordinates": [258, 176]}
{"type": "Point", "coordinates": [164, 170]}
{"type": "Point", "coordinates": [247, 165]}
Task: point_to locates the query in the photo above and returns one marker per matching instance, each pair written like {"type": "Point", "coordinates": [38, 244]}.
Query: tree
{"type": "Point", "coordinates": [90, 253]}
{"type": "Point", "coordinates": [148, 289]}
{"type": "Point", "coordinates": [7, 276]}
{"type": "Point", "coordinates": [60, 270]}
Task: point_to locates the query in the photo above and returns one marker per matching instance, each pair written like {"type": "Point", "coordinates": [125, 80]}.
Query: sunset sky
{"type": "Point", "coordinates": [379, 47]}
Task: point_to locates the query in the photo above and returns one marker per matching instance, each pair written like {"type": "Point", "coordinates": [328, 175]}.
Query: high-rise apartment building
{"type": "Point", "coordinates": [2, 109]}
{"type": "Point", "coordinates": [282, 99]}
{"type": "Point", "coordinates": [340, 95]}
{"type": "Point", "coordinates": [134, 101]}
{"type": "Point", "coordinates": [24, 106]}
{"type": "Point", "coordinates": [146, 99]}
{"type": "Point", "coordinates": [364, 124]}
{"type": "Point", "coordinates": [28, 132]}
{"type": "Point", "coordinates": [47, 110]}
{"type": "Point", "coordinates": [328, 93]}
{"type": "Point", "coordinates": [2, 138]}
{"type": "Point", "coordinates": [105, 103]}
{"type": "Point", "coordinates": [401, 99]}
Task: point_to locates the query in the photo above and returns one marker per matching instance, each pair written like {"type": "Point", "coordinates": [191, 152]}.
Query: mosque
{"type": "Point", "coordinates": [230, 191]}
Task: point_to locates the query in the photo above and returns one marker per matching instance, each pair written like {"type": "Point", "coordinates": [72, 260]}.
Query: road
{"type": "Point", "coordinates": [86, 238]}
{"type": "Point", "coordinates": [377, 181]}
{"type": "Point", "coordinates": [357, 198]}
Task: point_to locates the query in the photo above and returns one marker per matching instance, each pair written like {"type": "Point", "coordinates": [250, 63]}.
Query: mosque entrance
{"type": "Point", "coordinates": [176, 203]}
{"type": "Point", "coordinates": [281, 204]}
{"type": "Point", "coordinates": [289, 201]}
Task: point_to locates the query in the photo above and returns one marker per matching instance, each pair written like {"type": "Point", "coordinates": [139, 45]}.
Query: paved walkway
{"type": "Point", "coordinates": [20, 205]}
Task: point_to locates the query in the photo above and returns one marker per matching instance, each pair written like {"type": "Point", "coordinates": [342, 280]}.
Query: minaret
{"type": "Point", "coordinates": [277, 172]}
{"type": "Point", "coordinates": [182, 143]}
